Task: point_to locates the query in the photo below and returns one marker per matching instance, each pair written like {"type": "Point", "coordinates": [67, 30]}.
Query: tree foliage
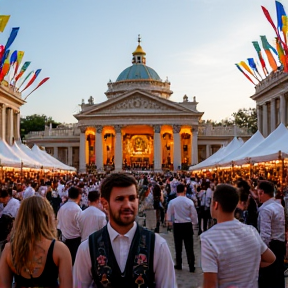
{"type": "Point", "coordinates": [35, 122]}
{"type": "Point", "coordinates": [244, 118]}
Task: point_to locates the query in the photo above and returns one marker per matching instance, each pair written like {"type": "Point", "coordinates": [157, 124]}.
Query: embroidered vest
{"type": "Point", "coordinates": [139, 266]}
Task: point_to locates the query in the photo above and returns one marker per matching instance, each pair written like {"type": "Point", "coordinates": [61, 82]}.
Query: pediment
{"type": "Point", "coordinates": [137, 102]}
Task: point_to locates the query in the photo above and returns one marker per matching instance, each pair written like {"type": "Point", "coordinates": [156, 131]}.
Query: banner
{"type": "Point", "coordinates": [244, 74]}
{"type": "Point", "coordinates": [3, 21]}
{"type": "Point", "coordinates": [13, 57]}
{"type": "Point", "coordinates": [5, 69]}
{"type": "Point", "coordinates": [40, 84]}
{"type": "Point", "coordinates": [23, 69]}
{"type": "Point", "coordinates": [280, 12]}
{"type": "Point", "coordinates": [258, 50]}
{"type": "Point", "coordinates": [26, 79]}
{"type": "Point", "coordinates": [20, 56]}
{"type": "Point", "coordinates": [12, 37]}
{"type": "Point", "coordinates": [266, 47]}
{"type": "Point", "coordinates": [32, 79]}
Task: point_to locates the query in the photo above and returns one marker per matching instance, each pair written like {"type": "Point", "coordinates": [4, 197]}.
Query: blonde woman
{"type": "Point", "coordinates": [33, 256]}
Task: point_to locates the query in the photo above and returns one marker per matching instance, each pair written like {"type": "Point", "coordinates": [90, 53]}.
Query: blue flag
{"type": "Point", "coordinates": [12, 37]}
{"type": "Point", "coordinates": [280, 12]}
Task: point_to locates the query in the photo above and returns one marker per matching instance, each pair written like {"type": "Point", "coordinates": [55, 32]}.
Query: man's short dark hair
{"type": "Point", "coordinates": [180, 188]}
{"type": "Point", "coordinates": [5, 192]}
{"type": "Point", "coordinates": [116, 180]}
{"type": "Point", "coordinates": [93, 196]}
{"type": "Point", "coordinates": [227, 196]}
{"type": "Point", "coordinates": [74, 192]}
{"type": "Point", "coordinates": [267, 187]}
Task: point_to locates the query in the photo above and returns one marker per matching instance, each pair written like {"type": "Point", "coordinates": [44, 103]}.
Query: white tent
{"type": "Point", "coordinates": [269, 148]}
{"type": "Point", "coordinates": [238, 155]}
{"type": "Point", "coordinates": [50, 160]}
{"type": "Point", "coordinates": [7, 155]}
{"type": "Point", "coordinates": [25, 158]}
{"type": "Point", "coordinates": [219, 155]}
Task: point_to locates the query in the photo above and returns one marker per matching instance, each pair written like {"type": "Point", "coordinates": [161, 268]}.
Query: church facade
{"type": "Point", "coordinates": [138, 126]}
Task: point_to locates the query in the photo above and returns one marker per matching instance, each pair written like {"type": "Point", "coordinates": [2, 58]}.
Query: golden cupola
{"type": "Point", "coordinates": [139, 54]}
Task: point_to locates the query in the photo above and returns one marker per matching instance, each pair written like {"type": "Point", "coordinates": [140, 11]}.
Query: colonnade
{"type": "Point", "coordinates": [9, 124]}
{"type": "Point", "coordinates": [271, 113]}
{"type": "Point", "coordinates": [158, 135]}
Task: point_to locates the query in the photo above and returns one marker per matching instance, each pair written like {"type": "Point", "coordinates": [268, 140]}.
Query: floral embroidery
{"type": "Point", "coordinates": [140, 259]}
{"type": "Point", "coordinates": [101, 260]}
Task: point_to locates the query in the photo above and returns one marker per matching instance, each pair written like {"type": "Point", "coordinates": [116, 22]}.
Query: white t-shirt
{"type": "Point", "coordinates": [90, 220]}
{"type": "Point", "coordinates": [11, 208]}
{"type": "Point", "coordinates": [232, 250]}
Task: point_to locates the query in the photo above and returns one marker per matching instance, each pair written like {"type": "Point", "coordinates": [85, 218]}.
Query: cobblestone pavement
{"type": "Point", "coordinates": [185, 279]}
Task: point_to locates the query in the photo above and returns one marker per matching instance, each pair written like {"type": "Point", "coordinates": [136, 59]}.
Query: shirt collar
{"type": "Point", "coordinates": [113, 234]}
{"type": "Point", "coordinates": [271, 200]}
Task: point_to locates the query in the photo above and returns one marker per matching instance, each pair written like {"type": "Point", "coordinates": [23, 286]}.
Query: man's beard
{"type": "Point", "coordinates": [117, 218]}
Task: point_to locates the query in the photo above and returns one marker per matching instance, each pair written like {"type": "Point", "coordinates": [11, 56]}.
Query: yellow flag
{"type": "Point", "coordinates": [3, 21]}
{"type": "Point", "coordinates": [246, 67]}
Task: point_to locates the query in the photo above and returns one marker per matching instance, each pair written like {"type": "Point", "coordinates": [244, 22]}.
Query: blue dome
{"type": "Point", "coordinates": [138, 71]}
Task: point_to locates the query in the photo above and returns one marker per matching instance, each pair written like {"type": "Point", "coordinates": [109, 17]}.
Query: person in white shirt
{"type": "Point", "coordinates": [121, 254]}
{"type": "Point", "coordinates": [67, 221]}
{"type": "Point", "coordinates": [91, 219]}
{"type": "Point", "coordinates": [271, 225]}
{"type": "Point", "coordinates": [231, 251]}
{"type": "Point", "coordinates": [29, 191]}
{"type": "Point", "coordinates": [8, 204]}
{"type": "Point", "coordinates": [183, 211]}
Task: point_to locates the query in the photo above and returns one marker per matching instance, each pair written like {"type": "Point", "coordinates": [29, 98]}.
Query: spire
{"type": "Point", "coordinates": [139, 54]}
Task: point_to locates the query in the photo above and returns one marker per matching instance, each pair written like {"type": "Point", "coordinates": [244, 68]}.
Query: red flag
{"type": "Point", "coordinates": [32, 79]}
{"type": "Point", "coordinates": [41, 83]}
{"type": "Point", "coordinates": [268, 17]}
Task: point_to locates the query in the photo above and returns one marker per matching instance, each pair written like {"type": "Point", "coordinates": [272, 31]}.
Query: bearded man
{"type": "Point", "coordinates": [121, 254]}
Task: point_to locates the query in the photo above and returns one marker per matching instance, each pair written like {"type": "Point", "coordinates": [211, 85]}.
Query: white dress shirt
{"type": "Point", "coordinates": [11, 208]}
{"type": "Point", "coordinates": [271, 221]}
{"type": "Point", "coordinates": [90, 220]}
{"type": "Point", "coordinates": [67, 220]}
{"type": "Point", "coordinates": [183, 210]}
{"type": "Point", "coordinates": [29, 191]}
{"type": "Point", "coordinates": [163, 266]}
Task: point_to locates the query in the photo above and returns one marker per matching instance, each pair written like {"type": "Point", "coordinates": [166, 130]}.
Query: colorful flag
{"type": "Point", "coordinates": [258, 50]}
{"type": "Point", "coordinates": [253, 66]}
{"type": "Point", "coordinates": [40, 84]}
{"type": "Point", "coordinates": [266, 47]}
{"type": "Point", "coordinates": [3, 21]}
{"type": "Point", "coordinates": [2, 51]}
{"type": "Point", "coordinates": [13, 57]}
{"type": "Point", "coordinates": [32, 79]}
{"type": "Point", "coordinates": [281, 55]}
{"type": "Point", "coordinates": [4, 70]}
{"type": "Point", "coordinates": [12, 37]}
{"type": "Point", "coordinates": [30, 73]}
{"type": "Point", "coordinates": [20, 56]}
{"type": "Point", "coordinates": [5, 56]}
{"type": "Point", "coordinates": [280, 12]}
{"type": "Point", "coordinates": [245, 74]}
{"type": "Point", "coordinates": [23, 69]}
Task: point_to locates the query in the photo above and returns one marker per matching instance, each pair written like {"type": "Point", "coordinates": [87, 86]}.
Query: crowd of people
{"type": "Point", "coordinates": [87, 224]}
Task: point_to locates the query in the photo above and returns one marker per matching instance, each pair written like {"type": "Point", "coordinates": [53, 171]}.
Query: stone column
{"type": "Point", "coordinates": [118, 148]}
{"type": "Point", "coordinates": [17, 127]}
{"type": "Point", "coordinates": [10, 126]}
{"type": "Point", "coordinates": [195, 146]}
{"type": "Point", "coordinates": [282, 109]}
{"type": "Point", "coordinates": [207, 151]}
{"type": "Point", "coordinates": [55, 155]}
{"type": "Point", "coordinates": [259, 124]}
{"type": "Point", "coordinates": [3, 121]}
{"type": "Point", "coordinates": [265, 122]}
{"type": "Point", "coordinates": [99, 147]}
{"type": "Point", "coordinates": [70, 152]}
{"type": "Point", "coordinates": [177, 147]}
{"type": "Point", "coordinates": [273, 114]}
{"type": "Point", "coordinates": [82, 150]}
{"type": "Point", "coordinates": [157, 149]}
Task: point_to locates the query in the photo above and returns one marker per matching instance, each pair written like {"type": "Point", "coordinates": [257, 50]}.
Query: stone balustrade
{"type": "Point", "coordinates": [209, 130]}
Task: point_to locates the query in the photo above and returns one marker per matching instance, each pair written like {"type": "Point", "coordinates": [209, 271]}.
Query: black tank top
{"type": "Point", "coordinates": [48, 278]}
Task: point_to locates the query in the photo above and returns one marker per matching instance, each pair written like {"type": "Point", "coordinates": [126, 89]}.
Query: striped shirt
{"type": "Point", "coordinates": [271, 221]}
{"type": "Point", "coordinates": [232, 250]}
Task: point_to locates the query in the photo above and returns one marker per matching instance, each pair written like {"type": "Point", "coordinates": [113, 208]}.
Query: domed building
{"type": "Point", "coordinates": [138, 126]}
